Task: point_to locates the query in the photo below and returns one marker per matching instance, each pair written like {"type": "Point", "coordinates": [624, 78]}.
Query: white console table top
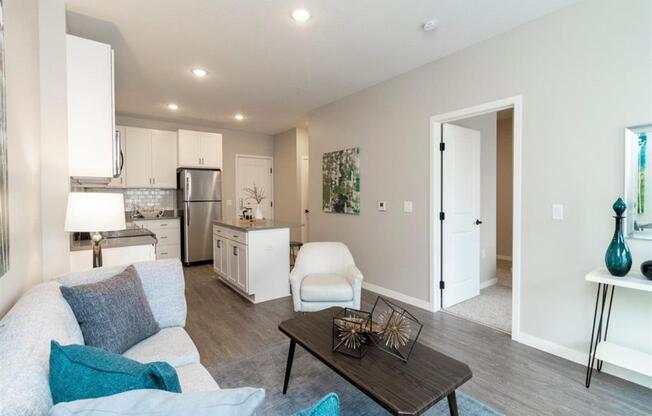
{"type": "Point", "coordinates": [633, 280]}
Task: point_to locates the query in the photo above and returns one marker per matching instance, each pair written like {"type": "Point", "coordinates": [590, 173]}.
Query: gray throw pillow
{"type": "Point", "coordinates": [113, 314]}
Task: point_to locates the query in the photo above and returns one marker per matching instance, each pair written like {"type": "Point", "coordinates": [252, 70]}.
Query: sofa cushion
{"type": "Point", "coordinates": [162, 281]}
{"type": "Point", "coordinates": [325, 287]}
{"type": "Point", "coordinates": [232, 402]}
{"type": "Point", "coordinates": [113, 314]}
{"type": "Point", "coordinates": [195, 378]}
{"type": "Point", "coordinates": [40, 316]}
{"type": "Point", "coordinates": [171, 345]}
{"type": "Point", "coordinates": [79, 372]}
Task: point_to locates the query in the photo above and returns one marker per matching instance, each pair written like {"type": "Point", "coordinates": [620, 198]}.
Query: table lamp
{"type": "Point", "coordinates": [95, 212]}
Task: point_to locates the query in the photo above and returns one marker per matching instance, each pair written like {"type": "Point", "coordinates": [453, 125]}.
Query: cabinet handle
{"type": "Point", "coordinates": [199, 160]}
{"type": "Point", "coordinates": [219, 243]}
{"type": "Point", "coordinates": [163, 225]}
{"type": "Point", "coordinates": [163, 237]}
{"type": "Point", "coordinates": [235, 251]}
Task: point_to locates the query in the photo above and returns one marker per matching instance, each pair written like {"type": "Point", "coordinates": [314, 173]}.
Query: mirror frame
{"type": "Point", "coordinates": [631, 170]}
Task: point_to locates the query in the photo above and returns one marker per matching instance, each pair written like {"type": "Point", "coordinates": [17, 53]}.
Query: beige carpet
{"type": "Point", "coordinates": [493, 307]}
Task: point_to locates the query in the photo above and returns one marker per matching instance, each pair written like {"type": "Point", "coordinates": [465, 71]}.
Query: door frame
{"type": "Point", "coordinates": [516, 103]}
{"type": "Point", "coordinates": [305, 229]}
{"type": "Point", "coordinates": [239, 156]}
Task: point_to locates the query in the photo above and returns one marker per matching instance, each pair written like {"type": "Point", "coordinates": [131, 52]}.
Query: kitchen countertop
{"type": "Point", "coordinates": [124, 238]}
{"type": "Point", "coordinates": [246, 225]}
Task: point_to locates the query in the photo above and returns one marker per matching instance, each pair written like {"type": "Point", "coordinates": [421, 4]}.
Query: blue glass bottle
{"type": "Point", "coordinates": [618, 258]}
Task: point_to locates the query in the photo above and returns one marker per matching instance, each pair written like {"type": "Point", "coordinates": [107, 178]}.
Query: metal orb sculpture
{"type": "Point", "coordinates": [394, 329]}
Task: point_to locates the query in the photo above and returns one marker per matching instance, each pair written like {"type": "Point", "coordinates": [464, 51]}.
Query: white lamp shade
{"type": "Point", "coordinates": [94, 211]}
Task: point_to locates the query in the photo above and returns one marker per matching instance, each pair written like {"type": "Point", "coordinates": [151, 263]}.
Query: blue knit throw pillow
{"type": "Point", "coordinates": [80, 372]}
{"type": "Point", "coordinates": [329, 405]}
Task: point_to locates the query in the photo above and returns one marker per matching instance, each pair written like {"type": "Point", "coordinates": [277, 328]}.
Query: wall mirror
{"type": "Point", "coordinates": [638, 182]}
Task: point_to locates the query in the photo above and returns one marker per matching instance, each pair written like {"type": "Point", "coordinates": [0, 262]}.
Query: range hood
{"type": "Point", "coordinates": [88, 182]}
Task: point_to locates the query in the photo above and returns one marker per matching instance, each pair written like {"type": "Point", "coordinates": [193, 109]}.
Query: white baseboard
{"type": "Point", "coordinates": [501, 257]}
{"type": "Point", "coordinates": [419, 303]}
{"type": "Point", "coordinates": [488, 283]}
{"type": "Point", "coordinates": [580, 358]}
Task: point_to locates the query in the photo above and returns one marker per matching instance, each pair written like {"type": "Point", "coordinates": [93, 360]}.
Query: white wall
{"type": "Point", "coordinates": [486, 125]}
{"type": "Point", "coordinates": [287, 199]}
{"type": "Point", "coordinates": [23, 149]}
{"type": "Point", "coordinates": [584, 74]}
{"type": "Point", "coordinates": [233, 142]}
{"type": "Point", "coordinates": [55, 183]}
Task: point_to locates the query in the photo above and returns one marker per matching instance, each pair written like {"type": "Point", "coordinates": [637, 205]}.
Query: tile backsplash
{"type": "Point", "coordinates": [145, 197]}
{"type": "Point", "coordinates": [148, 197]}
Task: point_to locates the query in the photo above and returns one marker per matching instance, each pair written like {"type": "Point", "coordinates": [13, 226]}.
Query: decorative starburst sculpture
{"type": "Point", "coordinates": [395, 330]}
{"type": "Point", "coordinates": [349, 331]}
{"type": "Point", "coordinates": [350, 327]}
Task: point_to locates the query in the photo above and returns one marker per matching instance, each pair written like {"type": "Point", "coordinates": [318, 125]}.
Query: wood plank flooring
{"type": "Point", "coordinates": [510, 377]}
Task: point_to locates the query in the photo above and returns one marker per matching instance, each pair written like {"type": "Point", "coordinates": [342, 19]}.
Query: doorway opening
{"type": "Point", "coordinates": [476, 194]}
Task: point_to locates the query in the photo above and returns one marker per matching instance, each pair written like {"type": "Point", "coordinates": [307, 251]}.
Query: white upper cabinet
{"type": "Point", "coordinates": [164, 159]}
{"type": "Point", "coordinates": [151, 158]}
{"type": "Point", "coordinates": [198, 149]}
{"type": "Point", "coordinates": [91, 112]}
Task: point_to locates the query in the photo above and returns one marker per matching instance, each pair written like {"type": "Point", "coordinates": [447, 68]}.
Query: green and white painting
{"type": "Point", "coordinates": [341, 181]}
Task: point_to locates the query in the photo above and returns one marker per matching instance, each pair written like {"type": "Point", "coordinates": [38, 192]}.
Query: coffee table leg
{"type": "Point", "coordinates": [452, 404]}
{"type": "Point", "coordinates": [288, 366]}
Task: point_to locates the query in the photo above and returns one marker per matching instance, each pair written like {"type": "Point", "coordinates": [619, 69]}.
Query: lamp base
{"type": "Point", "coordinates": [97, 250]}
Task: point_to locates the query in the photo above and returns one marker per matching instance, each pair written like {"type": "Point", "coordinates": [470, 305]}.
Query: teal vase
{"type": "Point", "coordinates": [618, 258]}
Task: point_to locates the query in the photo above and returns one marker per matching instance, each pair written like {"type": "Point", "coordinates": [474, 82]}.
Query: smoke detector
{"type": "Point", "coordinates": [430, 25]}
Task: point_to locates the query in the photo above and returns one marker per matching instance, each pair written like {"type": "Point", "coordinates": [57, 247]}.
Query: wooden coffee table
{"type": "Point", "coordinates": [402, 388]}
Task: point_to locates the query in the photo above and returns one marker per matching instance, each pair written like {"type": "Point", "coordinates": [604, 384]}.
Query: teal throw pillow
{"type": "Point", "coordinates": [80, 372]}
{"type": "Point", "coordinates": [329, 405]}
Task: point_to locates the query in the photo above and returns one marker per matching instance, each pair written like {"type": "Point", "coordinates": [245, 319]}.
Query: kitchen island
{"type": "Point", "coordinates": [253, 257]}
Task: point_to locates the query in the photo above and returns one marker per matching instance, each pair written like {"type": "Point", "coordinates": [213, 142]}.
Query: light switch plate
{"type": "Point", "coordinates": [407, 206]}
{"type": "Point", "coordinates": [382, 206]}
{"type": "Point", "coordinates": [557, 212]}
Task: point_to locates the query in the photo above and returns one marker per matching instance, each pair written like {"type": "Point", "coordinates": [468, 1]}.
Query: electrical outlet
{"type": "Point", "coordinates": [557, 212]}
{"type": "Point", "coordinates": [407, 206]}
{"type": "Point", "coordinates": [382, 206]}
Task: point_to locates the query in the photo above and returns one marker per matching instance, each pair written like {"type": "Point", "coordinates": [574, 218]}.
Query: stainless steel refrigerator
{"type": "Point", "coordinates": [200, 203]}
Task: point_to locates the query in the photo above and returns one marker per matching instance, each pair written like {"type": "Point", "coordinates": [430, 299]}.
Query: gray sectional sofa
{"type": "Point", "coordinates": [42, 314]}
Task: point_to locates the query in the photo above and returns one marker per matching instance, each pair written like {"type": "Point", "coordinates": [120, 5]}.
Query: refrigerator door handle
{"type": "Point", "coordinates": [188, 189]}
{"type": "Point", "coordinates": [187, 214]}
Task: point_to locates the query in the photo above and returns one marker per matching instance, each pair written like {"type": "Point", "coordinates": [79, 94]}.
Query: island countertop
{"type": "Point", "coordinates": [247, 225]}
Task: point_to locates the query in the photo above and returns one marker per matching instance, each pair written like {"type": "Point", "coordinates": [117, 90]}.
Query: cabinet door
{"type": "Point", "coordinates": [243, 281]}
{"type": "Point", "coordinates": [234, 264]}
{"type": "Point", "coordinates": [138, 157]}
{"type": "Point", "coordinates": [220, 257]}
{"type": "Point", "coordinates": [121, 181]}
{"type": "Point", "coordinates": [211, 150]}
{"type": "Point", "coordinates": [188, 149]}
{"type": "Point", "coordinates": [164, 159]}
{"type": "Point", "coordinates": [90, 107]}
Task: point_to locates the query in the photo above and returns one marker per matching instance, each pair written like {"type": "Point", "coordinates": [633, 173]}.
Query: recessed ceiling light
{"type": "Point", "coordinates": [172, 106]}
{"type": "Point", "coordinates": [199, 72]}
{"type": "Point", "coordinates": [238, 117]}
{"type": "Point", "coordinates": [430, 25]}
{"type": "Point", "coordinates": [301, 15]}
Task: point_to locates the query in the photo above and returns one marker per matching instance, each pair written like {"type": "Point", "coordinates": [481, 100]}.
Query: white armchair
{"type": "Point", "coordinates": [325, 275]}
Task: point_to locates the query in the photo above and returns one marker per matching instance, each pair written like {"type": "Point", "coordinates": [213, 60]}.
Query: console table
{"type": "Point", "coordinates": [599, 348]}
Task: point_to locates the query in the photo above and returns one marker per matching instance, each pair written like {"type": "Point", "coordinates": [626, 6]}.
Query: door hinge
{"type": "Point", "coordinates": [442, 146]}
{"type": "Point", "coordinates": [442, 285]}
{"type": "Point", "coordinates": [271, 204]}
{"type": "Point", "coordinates": [442, 216]}
{"type": "Point", "coordinates": [270, 171]}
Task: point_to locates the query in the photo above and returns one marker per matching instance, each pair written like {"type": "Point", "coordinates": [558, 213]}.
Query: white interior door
{"type": "Point", "coordinates": [255, 170]}
{"type": "Point", "coordinates": [304, 199]}
{"type": "Point", "coordinates": [461, 205]}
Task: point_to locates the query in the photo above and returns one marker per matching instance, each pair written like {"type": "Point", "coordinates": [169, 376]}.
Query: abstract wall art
{"type": "Point", "coordinates": [341, 181]}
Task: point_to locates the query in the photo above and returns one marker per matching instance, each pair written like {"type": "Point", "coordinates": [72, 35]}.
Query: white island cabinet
{"type": "Point", "coordinates": [253, 258]}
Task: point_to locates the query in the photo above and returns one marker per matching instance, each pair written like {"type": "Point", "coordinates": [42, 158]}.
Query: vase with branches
{"type": "Point", "coordinates": [257, 194]}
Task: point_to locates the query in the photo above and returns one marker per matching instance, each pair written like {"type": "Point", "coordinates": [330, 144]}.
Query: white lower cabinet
{"type": "Point", "coordinates": [168, 236]}
{"type": "Point", "coordinates": [81, 261]}
{"type": "Point", "coordinates": [254, 263]}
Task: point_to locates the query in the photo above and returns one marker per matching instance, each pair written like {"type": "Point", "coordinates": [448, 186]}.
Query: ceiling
{"type": "Point", "coordinates": [267, 66]}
